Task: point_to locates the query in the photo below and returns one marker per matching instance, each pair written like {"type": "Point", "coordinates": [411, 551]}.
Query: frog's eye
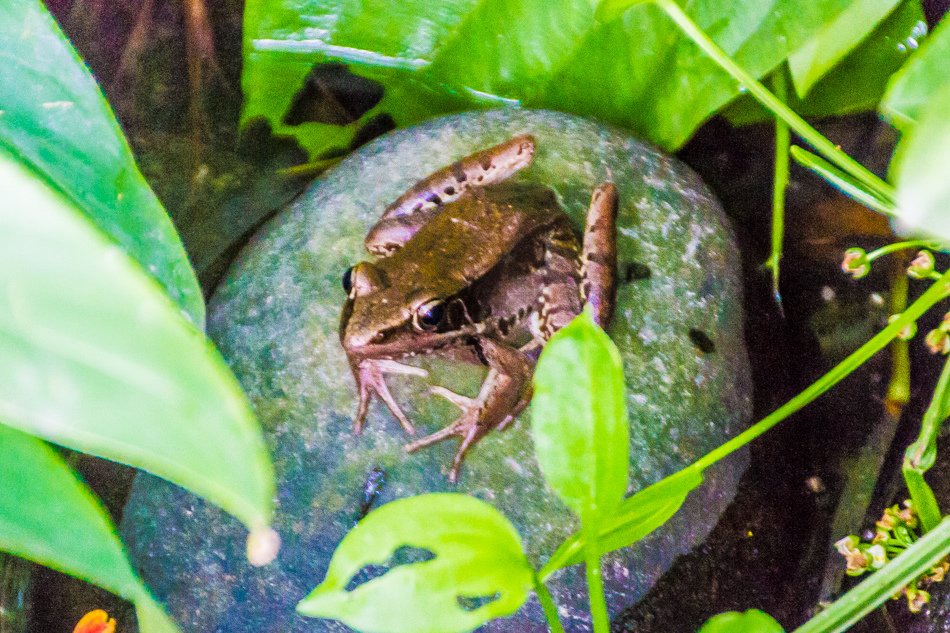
{"type": "Point", "coordinates": [348, 280]}
{"type": "Point", "coordinates": [429, 315]}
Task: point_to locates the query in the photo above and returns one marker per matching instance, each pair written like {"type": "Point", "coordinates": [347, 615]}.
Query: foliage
{"type": "Point", "coordinates": [101, 348]}
{"type": "Point", "coordinates": [99, 357]}
{"type": "Point", "coordinates": [633, 69]}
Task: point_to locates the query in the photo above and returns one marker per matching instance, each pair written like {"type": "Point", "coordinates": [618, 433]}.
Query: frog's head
{"type": "Point", "coordinates": [385, 320]}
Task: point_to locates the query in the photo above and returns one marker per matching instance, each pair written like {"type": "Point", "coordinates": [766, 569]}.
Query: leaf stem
{"type": "Point", "coordinates": [921, 454]}
{"type": "Point", "coordinates": [779, 109]}
{"type": "Point", "coordinates": [547, 603]}
{"type": "Point", "coordinates": [595, 584]}
{"type": "Point", "coordinates": [937, 292]}
{"type": "Point", "coordinates": [779, 184]}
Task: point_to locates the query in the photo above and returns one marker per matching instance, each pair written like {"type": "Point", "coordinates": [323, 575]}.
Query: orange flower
{"type": "Point", "coordinates": [97, 621]}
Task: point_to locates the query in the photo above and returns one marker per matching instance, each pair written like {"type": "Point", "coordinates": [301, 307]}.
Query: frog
{"type": "Point", "coordinates": [475, 266]}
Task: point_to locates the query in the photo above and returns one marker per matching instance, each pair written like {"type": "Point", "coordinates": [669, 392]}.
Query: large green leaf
{"type": "Point", "coordinates": [637, 71]}
{"type": "Point", "coordinates": [48, 516]}
{"type": "Point", "coordinates": [919, 169]}
{"type": "Point", "coordinates": [474, 569]}
{"type": "Point", "coordinates": [856, 83]}
{"type": "Point", "coordinates": [926, 72]}
{"type": "Point", "coordinates": [837, 38]}
{"type": "Point", "coordinates": [54, 117]}
{"type": "Point", "coordinates": [579, 419]}
{"type": "Point", "coordinates": [96, 357]}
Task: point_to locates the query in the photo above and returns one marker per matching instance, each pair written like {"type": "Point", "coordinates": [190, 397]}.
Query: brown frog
{"type": "Point", "coordinates": [474, 268]}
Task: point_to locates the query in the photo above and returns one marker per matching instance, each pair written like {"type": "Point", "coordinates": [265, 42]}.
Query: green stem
{"type": "Point", "coordinates": [934, 294]}
{"type": "Point", "coordinates": [779, 184]}
{"type": "Point", "coordinates": [547, 603]}
{"type": "Point", "coordinates": [898, 389]}
{"type": "Point", "coordinates": [900, 246]}
{"type": "Point", "coordinates": [779, 109]}
{"type": "Point", "coordinates": [921, 454]}
{"type": "Point", "coordinates": [595, 584]}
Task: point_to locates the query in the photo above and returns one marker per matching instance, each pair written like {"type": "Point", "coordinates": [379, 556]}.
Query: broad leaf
{"type": "Point", "coordinates": [579, 419]}
{"type": "Point", "coordinates": [925, 74]}
{"type": "Point", "coordinates": [751, 621]}
{"type": "Point", "coordinates": [637, 71]}
{"type": "Point", "coordinates": [919, 169]}
{"type": "Point", "coordinates": [54, 117]}
{"type": "Point", "coordinates": [48, 516]}
{"type": "Point", "coordinates": [96, 357]}
{"type": "Point", "coordinates": [837, 38]}
{"type": "Point", "coordinates": [635, 518]}
{"type": "Point", "coordinates": [473, 568]}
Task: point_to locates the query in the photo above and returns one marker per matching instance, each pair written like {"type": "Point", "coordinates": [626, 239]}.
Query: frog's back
{"type": "Point", "coordinates": [467, 238]}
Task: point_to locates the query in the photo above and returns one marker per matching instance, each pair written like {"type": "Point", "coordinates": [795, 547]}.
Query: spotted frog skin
{"type": "Point", "coordinates": [474, 267]}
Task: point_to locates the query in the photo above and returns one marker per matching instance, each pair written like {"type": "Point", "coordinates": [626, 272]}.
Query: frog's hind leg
{"type": "Point", "coordinates": [570, 286]}
{"type": "Point", "coordinates": [503, 395]}
{"type": "Point", "coordinates": [599, 255]}
{"type": "Point", "coordinates": [401, 220]}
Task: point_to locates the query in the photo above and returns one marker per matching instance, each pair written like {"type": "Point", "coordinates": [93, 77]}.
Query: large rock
{"type": "Point", "coordinates": [275, 318]}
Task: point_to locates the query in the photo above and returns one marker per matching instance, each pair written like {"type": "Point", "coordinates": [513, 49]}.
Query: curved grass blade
{"type": "Point", "coordinates": [884, 583]}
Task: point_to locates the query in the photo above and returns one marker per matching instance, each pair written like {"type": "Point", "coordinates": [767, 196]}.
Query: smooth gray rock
{"type": "Point", "coordinates": [275, 319]}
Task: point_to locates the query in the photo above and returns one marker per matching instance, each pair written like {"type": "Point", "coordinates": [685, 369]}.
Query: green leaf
{"type": "Point", "coordinates": [837, 38]}
{"type": "Point", "coordinates": [884, 583]}
{"type": "Point", "coordinates": [857, 83]}
{"type": "Point", "coordinates": [96, 357]}
{"type": "Point", "coordinates": [579, 419]}
{"type": "Point", "coordinates": [636, 517]}
{"type": "Point", "coordinates": [48, 516]}
{"type": "Point", "coordinates": [922, 77]}
{"type": "Point", "coordinates": [54, 117]}
{"type": "Point", "coordinates": [479, 571]}
{"type": "Point", "coordinates": [918, 169]}
{"type": "Point", "coordinates": [637, 71]}
{"type": "Point", "coordinates": [751, 621]}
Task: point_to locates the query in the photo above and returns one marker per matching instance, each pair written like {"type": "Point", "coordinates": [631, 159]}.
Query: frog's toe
{"type": "Point", "coordinates": [462, 402]}
{"type": "Point", "coordinates": [371, 376]}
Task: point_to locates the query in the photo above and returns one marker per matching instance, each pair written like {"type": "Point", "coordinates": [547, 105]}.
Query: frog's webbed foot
{"type": "Point", "coordinates": [371, 379]}
{"type": "Point", "coordinates": [504, 394]}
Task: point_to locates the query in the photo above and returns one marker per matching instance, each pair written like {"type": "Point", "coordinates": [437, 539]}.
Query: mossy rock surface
{"type": "Point", "coordinates": [678, 325]}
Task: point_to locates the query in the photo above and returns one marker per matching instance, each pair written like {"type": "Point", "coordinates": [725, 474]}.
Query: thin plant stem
{"type": "Point", "coordinates": [840, 180]}
{"type": "Point", "coordinates": [921, 454]}
{"type": "Point", "coordinates": [779, 184]}
{"type": "Point", "coordinates": [900, 246]}
{"type": "Point", "coordinates": [595, 583]}
{"type": "Point", "coordinates": [898, 389]}
{"type": "Point", "coordinates": [809, 134]}
{"type": "Point", "coordinates": [937, 292]}
{"type": "Point", "coordinates": [547, 604]}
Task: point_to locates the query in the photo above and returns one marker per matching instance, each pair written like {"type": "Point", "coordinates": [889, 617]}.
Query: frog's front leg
{"type": "Point", "coordinates": [503, 395]}
{"type": "Point", "coordinates": [418, 205]}
{"type": "Point", "coordinates": [370, 376]}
